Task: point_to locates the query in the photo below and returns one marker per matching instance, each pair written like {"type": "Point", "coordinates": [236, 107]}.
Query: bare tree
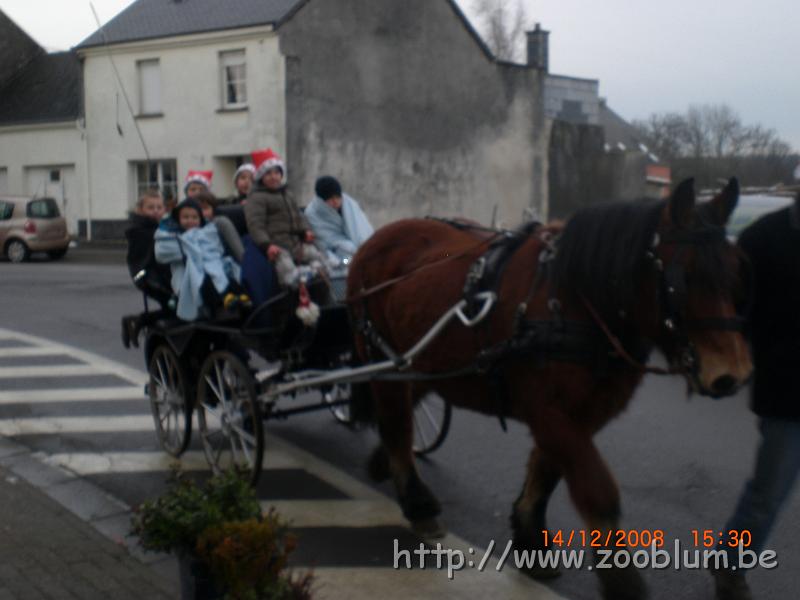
{"type": "Point", "coordinates": [711, 141]}
{"type": "Point", "coordinates": [503, 24]}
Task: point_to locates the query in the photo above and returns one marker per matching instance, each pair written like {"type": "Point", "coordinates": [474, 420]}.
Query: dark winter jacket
{"type": "Point", "coordinates": [141, 257]}
{"type": "Point", "coordinates": [773, 245]}
{"type": "Point", "coordinates": [274, 218]}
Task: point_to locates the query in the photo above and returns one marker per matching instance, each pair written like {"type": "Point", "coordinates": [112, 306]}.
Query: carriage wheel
{"type": "Point", "coordinates": [228, 416]}
{"type": "Point", "coordinates": [167, 389]}
{"type": "Point", "coordinates": [431, 424]}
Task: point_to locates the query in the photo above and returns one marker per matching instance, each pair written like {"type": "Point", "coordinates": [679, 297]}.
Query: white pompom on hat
{"type": "Point", "coordinates": [267, 159]}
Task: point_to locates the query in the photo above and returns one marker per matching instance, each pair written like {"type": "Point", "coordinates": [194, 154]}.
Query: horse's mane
{"type": "Point", "coordinates": [601, 251]}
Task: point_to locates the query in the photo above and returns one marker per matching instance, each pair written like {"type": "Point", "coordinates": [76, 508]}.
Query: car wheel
{"type": "Point", "coordinates": [17, 251]}
{"type": "Point", "coordinates": [57, 254]}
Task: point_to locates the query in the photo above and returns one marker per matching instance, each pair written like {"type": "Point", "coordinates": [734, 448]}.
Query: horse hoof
{"type": "Point", "coordinates": [428, 529]}
{"type": "Point", "coordinates": [378, 467]}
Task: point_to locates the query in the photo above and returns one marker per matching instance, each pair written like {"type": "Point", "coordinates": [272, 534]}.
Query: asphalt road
{"type": "Point", "coordinates": [680, 462]}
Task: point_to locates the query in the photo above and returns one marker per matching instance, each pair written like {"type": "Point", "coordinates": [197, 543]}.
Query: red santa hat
{"type": "Point", "coordinates": [267, 159]}
{"type": "Point", "coordinates": [202, 177]}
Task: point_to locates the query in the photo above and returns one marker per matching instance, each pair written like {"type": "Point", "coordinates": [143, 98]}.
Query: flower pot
{"type": "Point", "coordinates": [197, 583]}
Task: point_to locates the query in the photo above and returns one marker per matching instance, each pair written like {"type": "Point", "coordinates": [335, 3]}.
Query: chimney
{"type": "Point", "coordinates": [538, 48]}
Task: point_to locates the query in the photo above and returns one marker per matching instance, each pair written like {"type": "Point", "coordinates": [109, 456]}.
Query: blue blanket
{"type": "Point", "coordinates": [194, 255]}
{"type": "Point", "coordinates": [339, 233]}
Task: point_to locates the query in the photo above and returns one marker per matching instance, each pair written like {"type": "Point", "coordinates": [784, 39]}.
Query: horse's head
{"type": "Point", "coordinates": [700, 284]}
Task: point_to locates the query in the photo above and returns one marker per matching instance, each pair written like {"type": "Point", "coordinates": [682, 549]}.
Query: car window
{"type": "Point", "coordinates": [751, 207]}
{"type": "Point", "coordinates": [6, 210]}
{"type": "Point", "coordinates": [43, 208]}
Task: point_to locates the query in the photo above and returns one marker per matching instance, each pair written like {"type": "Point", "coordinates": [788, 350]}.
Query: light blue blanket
{"type": "Point", "coordinates": [194, 255]}
{"type": "Point", "coordinates": [339, 233]}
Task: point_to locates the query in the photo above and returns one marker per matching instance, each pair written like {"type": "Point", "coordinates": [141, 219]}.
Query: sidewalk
{"type": "Point", "coordinates": [97, 252]}
{"type": "Point", "coordinates": [62, 538]}
{"type": "Point", "coordinates": [48, 553]}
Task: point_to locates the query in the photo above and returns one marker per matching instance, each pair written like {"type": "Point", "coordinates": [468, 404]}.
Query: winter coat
{"type": "Point", "coordinates": [274, 218]}
{"type": "Point", "coordinates": [773, 246]}
{"type": "Point", "coordinates": [141, 257]}
{"type": "Point", "coordinates": [194, 255]}
{"type": "Point", "coordinates": [339, 232]}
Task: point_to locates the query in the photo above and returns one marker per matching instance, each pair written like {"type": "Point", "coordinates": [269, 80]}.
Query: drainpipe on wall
{"type": "Point", "coordinates": [85, 136]}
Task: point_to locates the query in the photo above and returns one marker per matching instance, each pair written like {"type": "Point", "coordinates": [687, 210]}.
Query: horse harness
{"type": "Point", "coordinates": [589, 343]}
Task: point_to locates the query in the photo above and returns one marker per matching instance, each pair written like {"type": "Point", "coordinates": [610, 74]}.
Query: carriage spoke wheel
{"type": "Point", "coordinates": [228, 417]}
{"type": "Point", "coordinates": [171, 413]}
{"type": "Point", "coordinates": [431, 424]}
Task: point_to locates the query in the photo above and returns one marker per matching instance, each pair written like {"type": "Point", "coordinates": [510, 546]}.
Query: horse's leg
{"type": "Point", "coordinates": [394, 414]}
{"type": "Point", "coordinates": [528, 515]}
{"type": "Point", "coordinates": [594, 493]}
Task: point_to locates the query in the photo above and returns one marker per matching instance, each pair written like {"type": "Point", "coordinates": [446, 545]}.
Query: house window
{"type": "Point", "coordinates": [234, 79]}
{"type": "Point", "coordinates": [149, 87]}
{"type": "Point", "coordinates": [55, 176]}
{"type": "Point", "coordinates": [157, 175]}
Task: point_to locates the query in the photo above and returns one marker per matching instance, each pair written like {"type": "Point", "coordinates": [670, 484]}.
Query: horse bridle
{"type": "Point", "coordinates": [673, 293]}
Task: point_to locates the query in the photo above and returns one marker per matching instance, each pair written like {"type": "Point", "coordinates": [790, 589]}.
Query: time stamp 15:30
{"type": "Point", "coordinates": [642, 538]}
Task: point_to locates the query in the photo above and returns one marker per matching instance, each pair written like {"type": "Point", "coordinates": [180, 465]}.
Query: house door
{"type": "Point", "coordinates": [56, 182]}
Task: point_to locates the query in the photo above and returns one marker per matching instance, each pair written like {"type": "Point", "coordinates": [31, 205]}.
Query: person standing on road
{"type": "Point", "coordinates": [772, 245]}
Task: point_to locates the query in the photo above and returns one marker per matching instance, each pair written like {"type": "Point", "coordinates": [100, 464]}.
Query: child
{"type": "Point", "coordinates": [243, 182]}
{"type": "Point", "coordinates": [275, 222]}
{"type": "Point", "coordinates": [201, 273]}
{"type": "Point", "coordinates": [143, 225]}
{"type": "Point", "coordinates": [227, 231]}
{"type": "Point", "coordinates": [148, 275]}
{"type": "Point", "coordinates": [196, 182]}
{"type": "Point", "coordinates": [338, 221]}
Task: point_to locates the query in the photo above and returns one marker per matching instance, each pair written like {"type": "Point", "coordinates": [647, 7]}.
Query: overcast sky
{"type": "Point", "coordinates": [649, 56]}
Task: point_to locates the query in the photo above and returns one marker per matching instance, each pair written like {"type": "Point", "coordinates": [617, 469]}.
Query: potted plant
{"type": "Point", "coordinates": [250, 558]}
{"type": "Point", "coordinates": [219, 534]}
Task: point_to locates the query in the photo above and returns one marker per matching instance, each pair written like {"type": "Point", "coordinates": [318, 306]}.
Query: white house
{"type": "Point", "coordinates": [400, 100]}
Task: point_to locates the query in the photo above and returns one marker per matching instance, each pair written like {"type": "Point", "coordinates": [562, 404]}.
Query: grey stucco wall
{"type": "Point", "coordinates": [399, 101]}
{"type": "Point", "coordinates": [581, 172]}
{"type": "Point", "coordinates": [16, 48]}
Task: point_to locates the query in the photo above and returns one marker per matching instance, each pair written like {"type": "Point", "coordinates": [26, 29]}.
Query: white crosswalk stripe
{"type": "Point", "coordinates": [50, 371]}
{"type": "Point", "coordinates": [30, 351]}
{"type": "Point", "coordinates": [72, 395]}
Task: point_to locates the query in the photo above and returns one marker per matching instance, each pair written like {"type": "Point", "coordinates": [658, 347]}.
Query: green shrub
{"type": "Point", "coordinates": [174, 521]}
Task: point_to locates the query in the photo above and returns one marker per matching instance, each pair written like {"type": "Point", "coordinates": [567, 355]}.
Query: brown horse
{"type": "Point", "coordinates": [564, 347]}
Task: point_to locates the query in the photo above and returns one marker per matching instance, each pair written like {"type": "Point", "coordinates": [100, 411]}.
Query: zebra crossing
{"type": "Point", "coordinates": [87, 420]}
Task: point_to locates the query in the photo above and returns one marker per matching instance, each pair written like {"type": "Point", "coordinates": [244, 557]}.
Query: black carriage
{"type": "Point", "coordinates": [235, 373]}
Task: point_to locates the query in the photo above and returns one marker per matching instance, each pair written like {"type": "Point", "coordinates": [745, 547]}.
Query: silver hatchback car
{"type": "Point", "coordinates": [31, 225]}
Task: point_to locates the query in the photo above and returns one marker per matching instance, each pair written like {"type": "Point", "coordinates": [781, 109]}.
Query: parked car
{"type": "Point", "coordinates": [31, 225]}
{"type": "Point", "coordinates": [751, 207]}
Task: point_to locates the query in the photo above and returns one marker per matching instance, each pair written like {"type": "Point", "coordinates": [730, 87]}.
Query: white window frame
{"type": "Point", "coordinates": [160, 183]}
{"type": "Point", "coordinates": [148, 72]}
{"type": "Point", "coordinates": [233, 72]}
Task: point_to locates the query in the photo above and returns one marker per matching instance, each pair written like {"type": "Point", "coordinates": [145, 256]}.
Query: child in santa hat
{"type": "Point", "coordinates": [202, 273]}
{"type": "Point", "coordinates": [275, 222]}
{"type": "Point", "coordinates": [197, 186]}
{"type": "Point", "coordinates": [196, 182]}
